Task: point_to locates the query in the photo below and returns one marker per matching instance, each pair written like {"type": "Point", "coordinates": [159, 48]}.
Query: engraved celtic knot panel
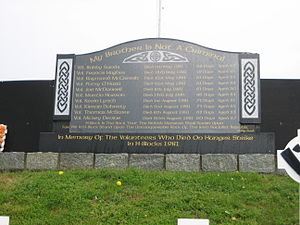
{"type": "Point", "coordinates": [249, 88]}
{"type": "Point", "coordinates": [63, 86]}
{"type": "Point", "coordinates": [155, 57]}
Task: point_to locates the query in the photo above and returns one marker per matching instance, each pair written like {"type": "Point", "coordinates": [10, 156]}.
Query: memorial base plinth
{"type": "Point", "coordinates": [241, 143]}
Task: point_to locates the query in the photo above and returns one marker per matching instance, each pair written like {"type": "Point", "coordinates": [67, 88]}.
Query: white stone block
{"type": "Point", "coordinates": [193, 222]}
{"type": "Point", "coordinates": [4, 220]}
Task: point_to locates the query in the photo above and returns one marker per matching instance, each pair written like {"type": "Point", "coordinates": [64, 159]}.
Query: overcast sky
{"type": "Point", "coordinates": [32, 32]}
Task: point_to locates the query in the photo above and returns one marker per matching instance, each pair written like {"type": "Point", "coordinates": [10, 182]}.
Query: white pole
{"type": "Point", "coordinates": [159, 19]}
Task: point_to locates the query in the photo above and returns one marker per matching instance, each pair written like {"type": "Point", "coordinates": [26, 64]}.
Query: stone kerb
{"type": "Point", "coordinates": [42, 161]}
{"type": "Point", "coordinates": [147, 161]}
{"type": "Point", "coordinates": [264, 163]}
{"type": "Point", "coordinates": [219, 162]}
{"type": "Point", "coordinates": [12, 161]}
{"type": "Point", "coordinates": [111, 161]}
{"type": "Point", "coordinates": [76, 161]}
{"type": "Point", "coordinates": [183, 162]}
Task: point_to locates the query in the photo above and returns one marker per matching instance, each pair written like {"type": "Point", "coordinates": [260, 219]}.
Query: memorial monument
{"type": "Point", "coordinates": [157, 96]}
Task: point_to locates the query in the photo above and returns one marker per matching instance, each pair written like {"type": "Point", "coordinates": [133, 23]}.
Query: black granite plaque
{"type": "Point", "coordinates": [157, 96]}
{"type": "Point", "coordinates": [156, 86]}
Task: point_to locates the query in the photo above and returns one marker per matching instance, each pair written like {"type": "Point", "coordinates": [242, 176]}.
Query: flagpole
{"type": "Point", "coordinates": [159, 19]}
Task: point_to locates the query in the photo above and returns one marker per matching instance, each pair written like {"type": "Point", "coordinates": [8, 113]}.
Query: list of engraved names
{"type": "Point", "coordinates": [183, 97]}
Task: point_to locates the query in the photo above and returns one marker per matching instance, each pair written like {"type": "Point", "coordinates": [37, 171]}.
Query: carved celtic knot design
{"type": "Point", "coordinates": [137, 58]}
{"type": "Point", "coordinates": [169, 56]}
{"type": "Point", "coordinates": [63, 86]}
{"type": "Point", "coordinates": [155, 57]}
{"type": "Point", "coordinates": [249, 88]}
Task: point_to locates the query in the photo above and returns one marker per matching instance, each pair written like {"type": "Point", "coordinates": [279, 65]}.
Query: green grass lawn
{"type": "Point", "coordinates": [157, 197]}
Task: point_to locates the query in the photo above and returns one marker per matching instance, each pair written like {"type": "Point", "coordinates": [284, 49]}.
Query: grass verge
{"type": "Point", "coordinates": [147, 197]}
